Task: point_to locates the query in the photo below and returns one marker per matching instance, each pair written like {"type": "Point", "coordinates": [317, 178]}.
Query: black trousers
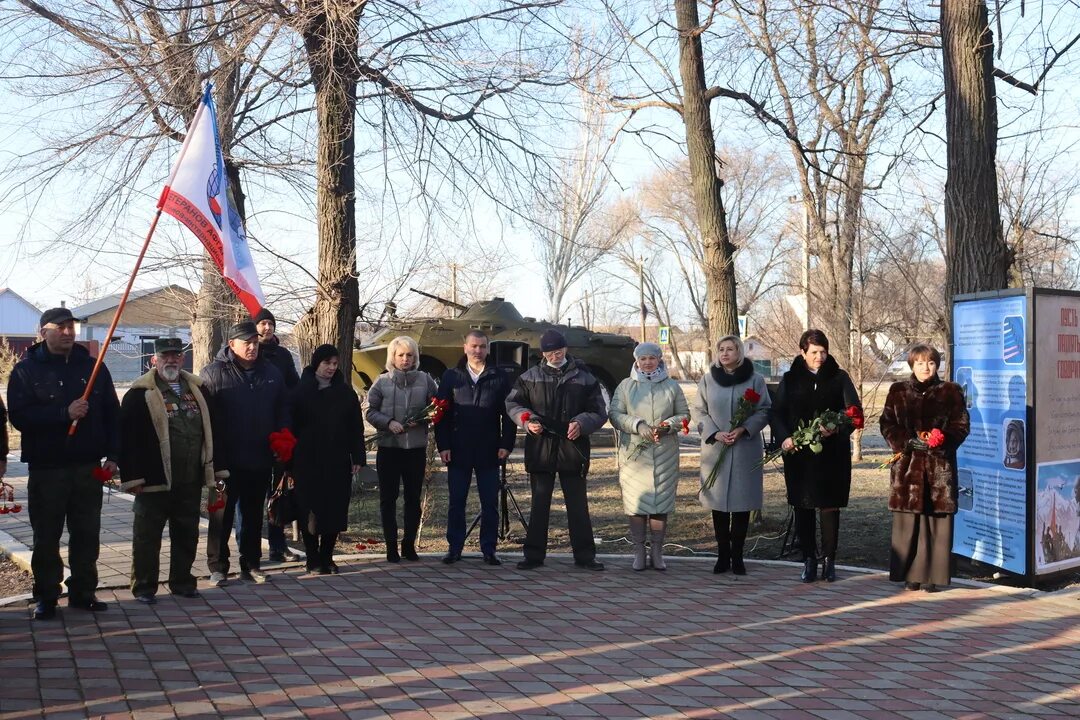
{"type": "Point", "coordinates": [245, 489]}
{"type": "Point", "coordinates": [399, 468]}
{"type": "Point", "coordinates": [577, 516]}
{"type": "Point", "coordinates": [56, 495]}
{"type": "Point", "coordinates": [830, 532]}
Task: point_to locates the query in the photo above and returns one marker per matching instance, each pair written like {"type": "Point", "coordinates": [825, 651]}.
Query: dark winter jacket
{"type": "Point", "coordinates": [146, 454]}
{"type": "Point", "coordinates": [821, 480]}
{"type": "Point", "coordinates": [280, 358]}
{"type": "Point", "coordinates": [246, 406]}
{"type": "Point", "coordinates": [476, 425]}
{"type": "Point", "coordinates": [556, 397]}
{"type": "Point", "coordinates": [329, 431]}
{"type": "Point", "coordinates": [41, 387]}
{"type": "Point", "coordinates": [929, 474]}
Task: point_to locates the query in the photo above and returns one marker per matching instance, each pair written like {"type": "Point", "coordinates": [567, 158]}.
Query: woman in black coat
{"type": "Point", "coordinates": [821, 481]}
{"type": "Point", "coordinates": [329, 449]}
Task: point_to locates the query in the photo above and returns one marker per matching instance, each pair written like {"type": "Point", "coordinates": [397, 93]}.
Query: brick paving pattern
{"type": "Point", "coordinates": [433, 641]}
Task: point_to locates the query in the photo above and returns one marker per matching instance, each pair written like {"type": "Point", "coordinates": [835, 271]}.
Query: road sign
{"type": "Point", "coordinates": [664, 336]}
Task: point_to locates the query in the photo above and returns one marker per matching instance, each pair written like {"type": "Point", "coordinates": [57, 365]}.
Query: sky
{"type": "Point", "coordinates": [281, 223]}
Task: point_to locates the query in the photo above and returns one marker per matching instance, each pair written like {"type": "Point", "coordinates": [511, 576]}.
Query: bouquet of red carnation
{"type": "Point", "coordinates": [924, 440]}
{"type": "Point", "coordinates": [807, 436]}
{"type": "Point", "coordinates": [432, 413]}
{"type": "Point", "coordinates": [282, 444]}
{"type": "Point", "coordinates": [744, 408]}
{"type": "Point", "coordinates": [7, 499]}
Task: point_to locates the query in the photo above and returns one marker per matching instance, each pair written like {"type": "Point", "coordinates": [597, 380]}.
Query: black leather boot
{"type": "Point", "coordinates": [809, 570]}
{"type": "Point", "coordinates": [828, 569]}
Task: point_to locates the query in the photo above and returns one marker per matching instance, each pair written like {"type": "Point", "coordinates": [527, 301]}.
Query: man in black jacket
{"type": "Point", "coordinates": [271, 350]}
{"type": "Point", "coordinates": [476, 436]}
{"type": "Point", "coordinates": [44, 397]}
{"type": "Point", "coordinates": [167, 458]}
{"type": "Point", "coordinates": [247, 399]}
{"type": "Point", "coordinates": [565, 405]}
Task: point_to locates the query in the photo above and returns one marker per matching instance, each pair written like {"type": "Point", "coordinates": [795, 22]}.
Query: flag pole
{"type": "Point", "coordinates": [135, 271]}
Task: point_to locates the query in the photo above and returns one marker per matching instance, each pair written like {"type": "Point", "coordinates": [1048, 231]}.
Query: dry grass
{"type": "Point", "coordinates": [865, 525]}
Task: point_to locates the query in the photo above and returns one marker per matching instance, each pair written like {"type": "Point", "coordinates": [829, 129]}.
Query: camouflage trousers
{"type": "Point", "coordinates": [179, 508]}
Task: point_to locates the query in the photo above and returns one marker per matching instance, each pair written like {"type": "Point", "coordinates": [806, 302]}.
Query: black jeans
{"type": "Point", "coordinates": [54, 495]}
{"type": "Point", "coordinates": [397, 468]}
{"type": "Point", "coordinates": [246, 489]}
{"type": "Point", "coordinates": [577, 516]}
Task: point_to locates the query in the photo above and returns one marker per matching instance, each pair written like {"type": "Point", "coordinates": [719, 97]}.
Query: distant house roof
{"type": "Point", "coordinates": [169, 305]}
{"type": "Point", "coordinates": [12, 293]}
{"type": "Point", "coordinates": [108, 302]}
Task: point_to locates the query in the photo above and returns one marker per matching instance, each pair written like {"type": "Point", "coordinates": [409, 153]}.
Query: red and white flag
{"type": "Point", "coordinates": [197, 194]}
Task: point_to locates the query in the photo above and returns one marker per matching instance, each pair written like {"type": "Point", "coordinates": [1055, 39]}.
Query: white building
{"type": "Point", "coordinates": [18, 317]}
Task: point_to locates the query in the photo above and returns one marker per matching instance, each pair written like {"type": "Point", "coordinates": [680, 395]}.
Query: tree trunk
{"type": "Point", "coordinates": [701, 147]}
{"type": "Point", "coordinates": [977, 257]}
{"type": "Point", "coordinates": [330, 39]}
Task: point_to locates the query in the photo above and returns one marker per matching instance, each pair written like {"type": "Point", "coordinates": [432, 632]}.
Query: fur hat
{"type": "Point", "coordinates": [322, 353]}
{"type": "Point", "coordinates": [647, 348]}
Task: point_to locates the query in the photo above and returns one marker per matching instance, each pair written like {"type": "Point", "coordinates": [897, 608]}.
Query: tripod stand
{"type": "Point", "coordinates": [506, 496]}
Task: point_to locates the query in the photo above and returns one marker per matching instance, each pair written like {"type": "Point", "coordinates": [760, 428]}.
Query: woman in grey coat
{"type": "Point", "coordinates": [648, 409]}
{"type": "Point", "coordinates": [401, 461]}
{"type": "Point", "coordinates": [737, 488]}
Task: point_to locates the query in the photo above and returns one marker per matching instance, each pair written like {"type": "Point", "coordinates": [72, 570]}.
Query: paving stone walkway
{"type": "Point", "coordinates": [425, 640]}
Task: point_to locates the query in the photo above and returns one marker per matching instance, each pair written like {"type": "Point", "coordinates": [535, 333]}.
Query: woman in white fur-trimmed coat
{"type": "Point", "coordinates": [649, 474]}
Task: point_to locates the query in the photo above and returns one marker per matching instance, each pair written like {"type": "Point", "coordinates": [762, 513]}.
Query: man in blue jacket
{"type": "Point", "coordinates": [247, 400]}
{"type": "Point", "coordinates": [44, 397]}
{"type": "Point", "coordinates": [475, 437]}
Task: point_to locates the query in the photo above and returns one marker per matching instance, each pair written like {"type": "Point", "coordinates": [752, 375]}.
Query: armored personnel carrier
{"type": "Point", "coordinates": [609, 356]}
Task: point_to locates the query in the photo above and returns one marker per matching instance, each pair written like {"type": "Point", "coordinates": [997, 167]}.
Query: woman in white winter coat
{"type": "Point", "coordinates": [648, 409]}
{"type": "Point", "coordinates": [729, 384]}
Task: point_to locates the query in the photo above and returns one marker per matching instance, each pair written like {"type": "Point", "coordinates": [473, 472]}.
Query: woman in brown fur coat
{"type": "Point", "coordinates": [922, 487]}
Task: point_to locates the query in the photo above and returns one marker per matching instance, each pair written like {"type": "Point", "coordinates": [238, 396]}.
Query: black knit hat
{"type": "Point", "coordinates": [55, 316]}
{"type": "Point", "coordinates": [321, 353]}
{"type": "Point", "coordinates": [552, 340]}
{"type": "Point", "coordinates": [264, 314]}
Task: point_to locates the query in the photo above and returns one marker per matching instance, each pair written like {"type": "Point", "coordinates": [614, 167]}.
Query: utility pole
{"type": "Point", "coordinates": [453, 287]}
{"type": "Point", "coordinates": [806, 260]}
{"type": "Point", "coordinates": [641, 292]}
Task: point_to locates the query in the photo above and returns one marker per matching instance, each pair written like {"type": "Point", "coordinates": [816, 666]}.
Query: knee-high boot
{"type": "Point", "coordinates": [657, 531]}
{"type": "Point", "coordinates": [830, 536]}
{"type": "Point", "coordinates": [721, 523]}
{"type": "Point", "coordinates": [740, 521]}
{"type": "Point", "coordinates": [637, 537]}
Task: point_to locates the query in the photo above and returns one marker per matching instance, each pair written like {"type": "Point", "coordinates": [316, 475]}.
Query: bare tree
{"type": "Point", "coordinates": [573, 228]}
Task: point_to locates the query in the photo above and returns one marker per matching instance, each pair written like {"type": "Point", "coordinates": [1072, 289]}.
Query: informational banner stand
{"type": "Point", "coordinates": [1016, 354]}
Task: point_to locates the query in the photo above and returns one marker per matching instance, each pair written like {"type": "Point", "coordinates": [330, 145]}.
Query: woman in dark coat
{"type": "Point", "coordinates": [818, 481]}
{"type": "Point", "coordinates": [922, 481]}
{"type": "Point", "coordinates": [329, 449]}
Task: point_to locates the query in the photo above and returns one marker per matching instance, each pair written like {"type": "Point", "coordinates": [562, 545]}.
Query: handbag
{"type": "Point", "coordinates": [281, 507]}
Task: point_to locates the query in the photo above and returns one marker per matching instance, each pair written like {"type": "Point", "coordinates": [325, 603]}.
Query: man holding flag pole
{"type": "Point", "coordinates": [197, 194]}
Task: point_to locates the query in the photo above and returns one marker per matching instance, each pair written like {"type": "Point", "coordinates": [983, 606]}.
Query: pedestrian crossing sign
{"type": "Point", "coordinates": [664, 335]}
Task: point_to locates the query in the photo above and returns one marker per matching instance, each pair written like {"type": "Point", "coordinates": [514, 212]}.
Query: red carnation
{"type": "Point", "coordinates": [101, 475]}
{"type": "Point", "coordinates": [855, 413]}
{"type": "Point", "coordinates": [752, 396]}
{"type": "Point", "coordinates": [935, 438]}
{"type": "Point", "coordinates": [282, 444]}
{"type": "Point", "coordinates": [525, 417]}
{"type": "Point", "coordinates": [686, 426]}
